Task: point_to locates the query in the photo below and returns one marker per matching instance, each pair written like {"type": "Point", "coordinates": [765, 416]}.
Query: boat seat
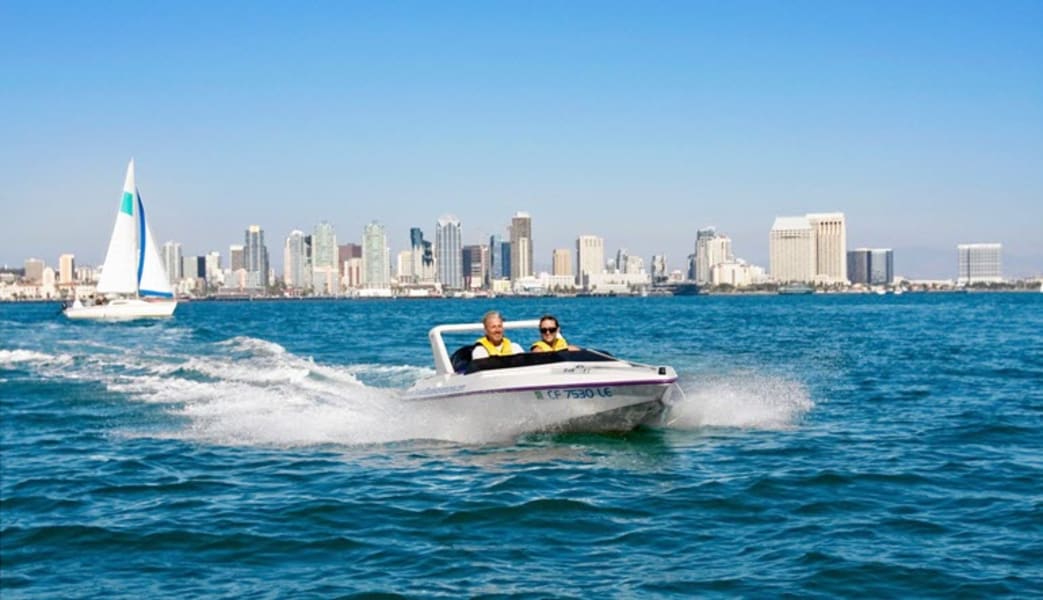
{"type": "Point", "coordinates": [461, 359]}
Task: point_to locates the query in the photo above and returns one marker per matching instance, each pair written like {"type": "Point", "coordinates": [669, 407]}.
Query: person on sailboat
{"type": "Point", "coordinates": [493, 343]}
{"type": "Point", "coordinates": [549, 340]}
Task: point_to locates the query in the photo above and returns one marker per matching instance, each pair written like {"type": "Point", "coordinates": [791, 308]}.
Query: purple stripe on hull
{"type": "Point", "coordinates": [535, 388]}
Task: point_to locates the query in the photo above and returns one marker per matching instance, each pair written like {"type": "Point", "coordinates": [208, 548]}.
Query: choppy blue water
{"type": "Point", "coordinates": [827, 445]}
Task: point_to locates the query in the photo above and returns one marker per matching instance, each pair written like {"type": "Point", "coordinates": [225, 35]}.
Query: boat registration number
{"type": "Point", "coordinates": [599, 392]}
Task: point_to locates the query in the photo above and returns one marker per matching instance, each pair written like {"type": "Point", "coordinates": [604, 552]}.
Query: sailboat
{"type": "Point", "coordinates": [133, 282]}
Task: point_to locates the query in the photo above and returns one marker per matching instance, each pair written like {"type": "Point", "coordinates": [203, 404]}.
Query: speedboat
{"type": "Point", "coordinates": [566, 391]}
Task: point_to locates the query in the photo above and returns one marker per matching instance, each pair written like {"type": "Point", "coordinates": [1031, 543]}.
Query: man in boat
{"type": "Point", "coordinates": [549, 340]}
{"type": "Point", "coordinates": [493, 343]}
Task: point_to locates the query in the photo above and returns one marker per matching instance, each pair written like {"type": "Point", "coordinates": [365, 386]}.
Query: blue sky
{"type": "Point", "coordinates": [640, 122]}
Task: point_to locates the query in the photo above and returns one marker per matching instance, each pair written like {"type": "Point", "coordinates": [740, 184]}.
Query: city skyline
{"type": "Point", "coordinates": [641, 125]}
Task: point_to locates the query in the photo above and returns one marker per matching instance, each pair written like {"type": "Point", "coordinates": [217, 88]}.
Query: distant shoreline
{"type": "Point", "coordinates": [555, 296]}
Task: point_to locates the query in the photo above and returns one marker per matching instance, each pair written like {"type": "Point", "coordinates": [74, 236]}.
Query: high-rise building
{"type": "Point", "coordinates": [979, 263]}
{"type": "Point", "coordinates": [295, 261]}
{"type": "Point", "coordinates": [633, 265]}
{"type": "Point", "coordinates": [792, 250]}
{"type": "Point", "coordinates": [660, 274]}
{"type": "Point", "coordinates": [499, 258]}
{"type": "Point", "coordinates": [190, 267]}
{"type": "Point", "coordinates": [448, 253]}
{"type": "Point", "coordinates": [871, 266]}
{"type": "Point", "coordinates": [561, 262]}
{"type": "Point", "coordinates": [590, 257]}
{"type": "Point", "coordinates": [172, 261]}
{"type": "Point", "coordinates": [621, 259]}
{"type": "Point", "coordinates": [711, 249]}
{"type": "Point", "coordinates": [423, 258]}
{"type": "Point", "coordinates": [66, 268]}
{"type": "Point", "coordinates": [858, 265]}
{"type": "Point", "coordinates": [346, 252]}
{"type": "Point", "coordinates": [325, 272]}
{"type": "Point", "coordinates": [255, 254]}
{"type": "Point", "coordinates": [830, 246]}
{"type": "Point", "coordinates": [404, 267]}
{"type": "Point", "coordinates": [236, 258]}
{"type": "Point", "coordinates": [213, 267]}
{"type": "Point", "coordinates": [376, 271]}
{"type": "Point", "coordinates": [324, 246]}
{"type": "Point", "coordinates": [521, 246]}
{"type": "Point", "coordinates": [881, 266]}
{"type": "Point", "coordinates": [475, 263]}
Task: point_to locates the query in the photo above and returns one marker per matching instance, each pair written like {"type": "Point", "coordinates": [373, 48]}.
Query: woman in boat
{"type": "Point", "coordinates": [494, 343]}
{"type": "Point", "coordinates": [549, 340]}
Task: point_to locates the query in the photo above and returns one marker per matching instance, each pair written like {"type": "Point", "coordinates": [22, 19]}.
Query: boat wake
{"type": "Point", "coordinates": [248, 391]}
{"type": "Point", "coordinates": [740, 400]}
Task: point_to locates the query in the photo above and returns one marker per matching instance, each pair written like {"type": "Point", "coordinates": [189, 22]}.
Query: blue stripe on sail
{"type": "Point", "coordinates": [155, 294]}
{"type": "Point", "coordinates": [141, 237]}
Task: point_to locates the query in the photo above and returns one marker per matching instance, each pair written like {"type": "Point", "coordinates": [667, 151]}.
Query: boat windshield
{"type": "Point", "coordinates": [462, 362]}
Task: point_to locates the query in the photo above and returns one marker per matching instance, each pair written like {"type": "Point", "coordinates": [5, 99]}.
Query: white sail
{"type": "Point", "coordinates": [152, 276]}
{"type": "Point", "coordinates": [119, 273]}
{"type": "Point", "coordinates": [133, 277]}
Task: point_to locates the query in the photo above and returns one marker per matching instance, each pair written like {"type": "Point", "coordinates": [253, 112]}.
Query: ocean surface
{"type": "Point", "coordinates": [872, 446]}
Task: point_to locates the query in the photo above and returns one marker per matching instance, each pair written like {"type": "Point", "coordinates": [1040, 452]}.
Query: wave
{"type": "Point", "coordinates": [13, 357]}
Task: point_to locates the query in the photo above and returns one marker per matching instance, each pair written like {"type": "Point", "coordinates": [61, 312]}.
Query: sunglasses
{"type": "Point", "coordinates": [548, 329]}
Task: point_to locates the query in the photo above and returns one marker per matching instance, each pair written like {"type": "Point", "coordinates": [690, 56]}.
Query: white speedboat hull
{"type": "Point", "coordinates": [558, 397]}
{"type": "Point", "coordinates": [123, 309]}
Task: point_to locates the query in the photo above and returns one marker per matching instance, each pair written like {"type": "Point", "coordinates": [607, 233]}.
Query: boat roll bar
{"type": "Point", "coordinates": [442, 363]}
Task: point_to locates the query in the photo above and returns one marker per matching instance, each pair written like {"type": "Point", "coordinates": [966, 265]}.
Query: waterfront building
{"type": "Point", "coordinates": [621, 259]}
{"type": "Point", "coordinates": [702, 254]}
{"type": "Point", "coordinates": [736, 273]}
{"type": "Point", "coordinates": [236, 257]}
{"type": "Point", "coordinates": [325, 269]}
{"type": "Point", "coordinates": [871, 266]}
{"type": "Point", "coordinates": [324, 246]}
{"type": "Point", "coordinates": [346, 252]}
{"type": "Point", "coordinates": [423, 268]}
{"type": "Point", "coordinates": [34, 270]}
{"type": "Point", "coordinates": [213, 267]}
{"type": "Point", "coordinates": [979, 263]}
{"type": "Point", "coordinates": [295, 261]}
{"type": "Point", "coordinates": [353, 273]}
{"type": "Point", "coordinates": [255, 258]}
{"type": "Point", "coordinates": [710, 249]}
{"type": "Point", "coordinates": [404, 267]}
{"type": "Point", "coordinates": [590, 257]}
{"type": "Point", "coordinates": [190, 267]}
{"type": "Point", "coordinates": [881, 266]}
{"type": "Point", "coordinates": [86, 274]}
{"type": "Point", "coordinates": [172, 262]}
{"type": "Point", "coordinates": [791, 248]}
{"type": "Point", "coordinates": [633, 265]}
{"type": "Point", "coordinates": [830, 246]}
{"type": "Point", "coordinates": [66, 269]}
{"type": "Point", "coordinates": [858, 265]}
{"type": "Point", "coordinates": [561, 262]}
{"type": "Point", "coordinates": [475, 264]}
{"type": "Point", "coordinates": [376, 272]}
{"type": "Point", "coordinates": [615, 283]}
{"type": "Point", "coordinates": [521, 246]}
{"type": "Point", "coordinates": [660, 274]}
{"type": "Point", "coordinates": [449, 253]}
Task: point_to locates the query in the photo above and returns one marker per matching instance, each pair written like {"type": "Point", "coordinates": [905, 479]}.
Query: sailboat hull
{"type": "Point", "coordinates": [123, 309]}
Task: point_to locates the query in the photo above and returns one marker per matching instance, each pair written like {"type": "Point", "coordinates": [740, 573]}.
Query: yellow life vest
{"type": "Point", "coordinates": [502, 350]}
{"type": "Point", "coordinates": [559, 344]}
